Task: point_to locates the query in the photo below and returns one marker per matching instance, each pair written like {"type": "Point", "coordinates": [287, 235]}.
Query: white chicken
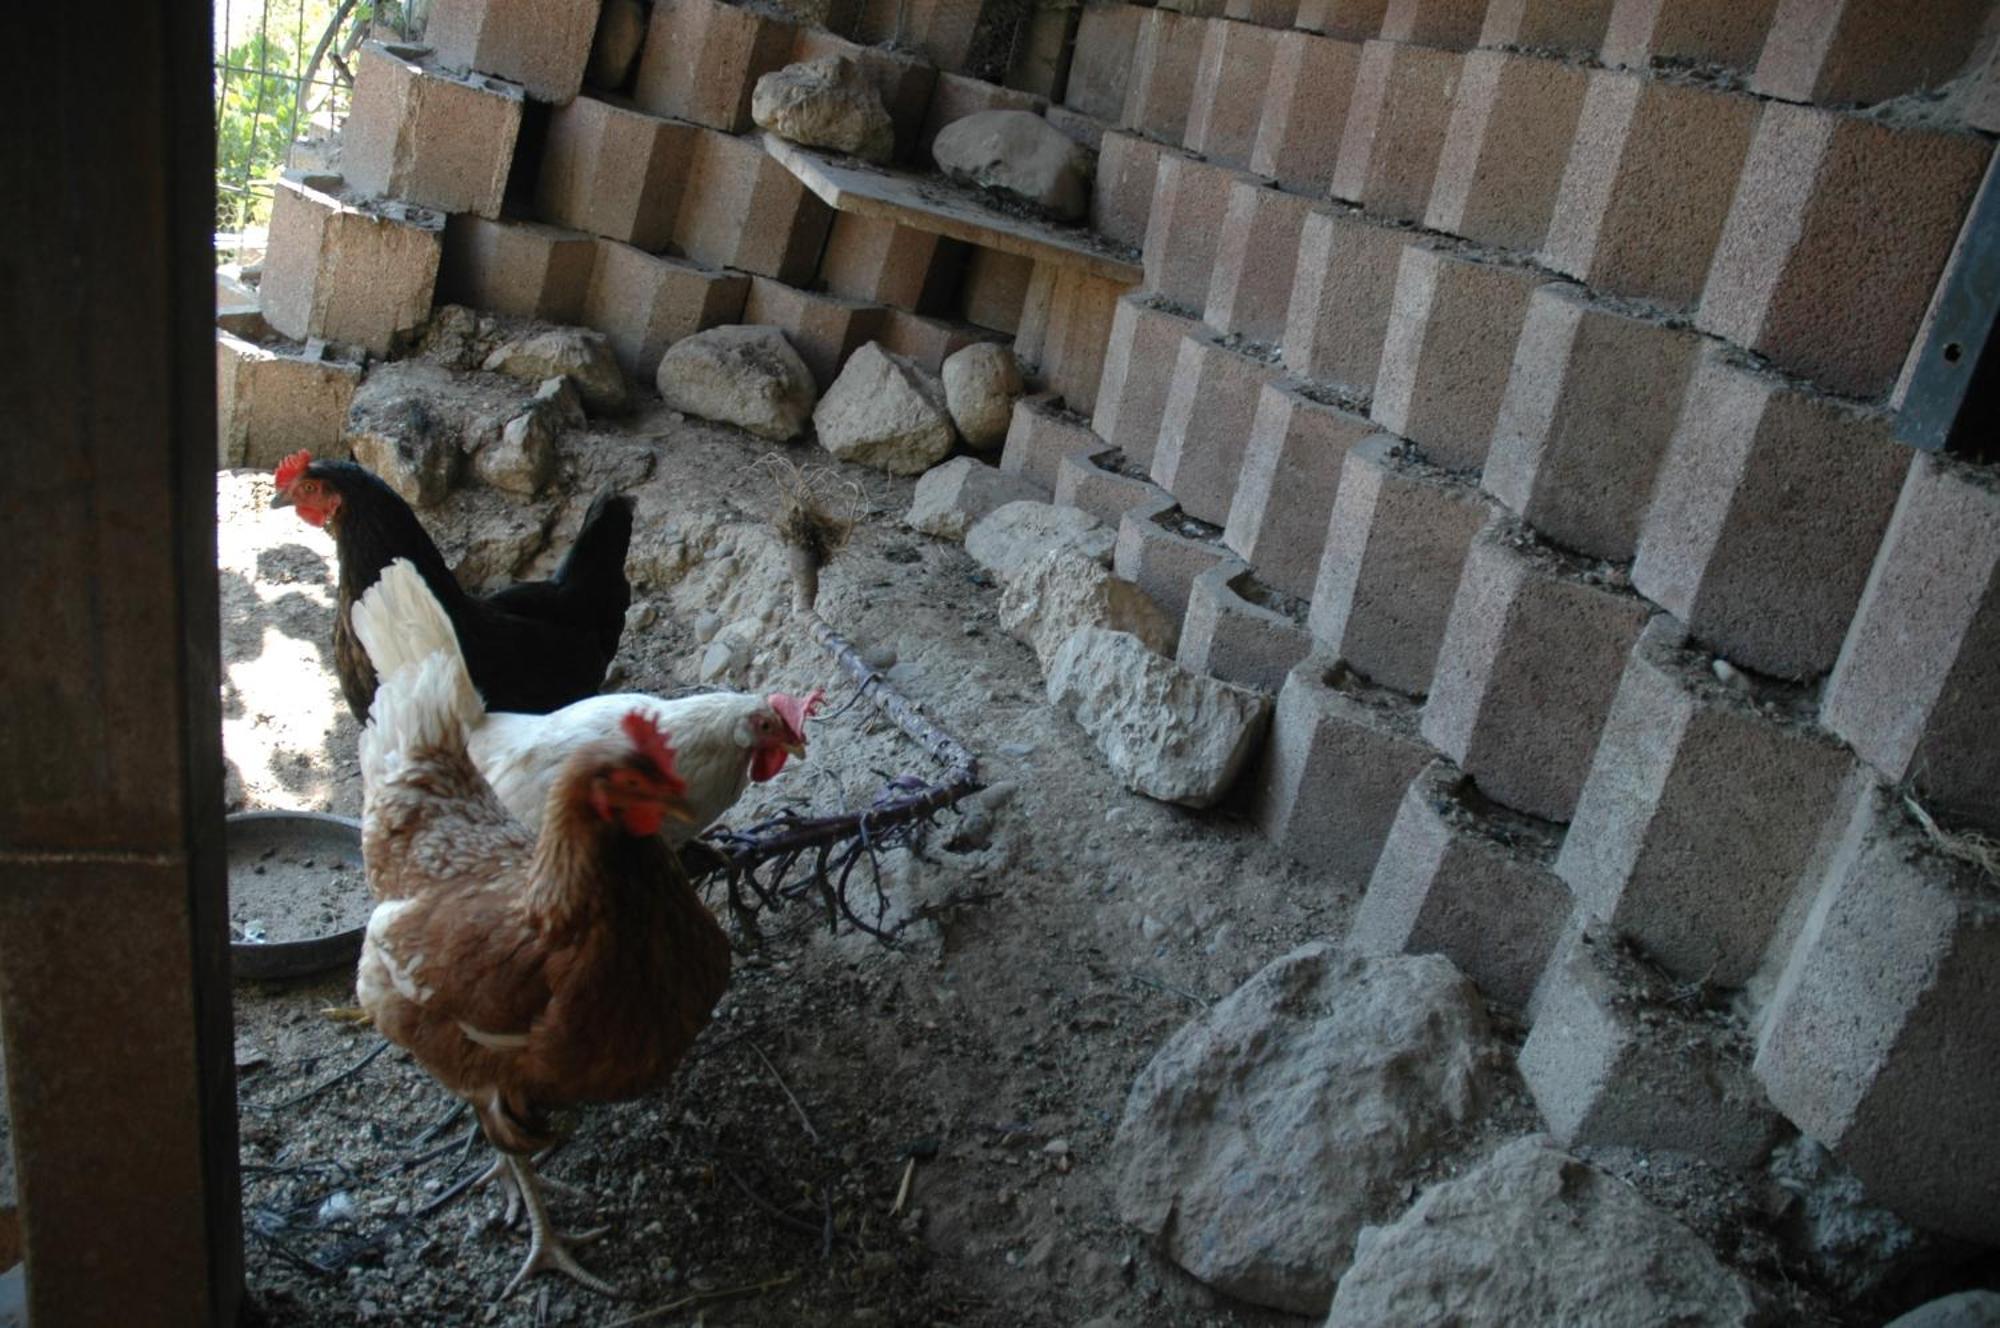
{"type": "Point", "coordinates": [722, 740]}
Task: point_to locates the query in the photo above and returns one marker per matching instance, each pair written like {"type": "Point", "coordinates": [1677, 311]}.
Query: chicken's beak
{"type": "Point", "coordinates": [282, 499]}
{"type": "Point", "coordinates": [677, 811]}
{"type": "Point", "coordinates": [796, 748]}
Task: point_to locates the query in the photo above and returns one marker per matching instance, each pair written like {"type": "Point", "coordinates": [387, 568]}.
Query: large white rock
{"type": "Point", "coordinates": [1165, 732]}
{"type": "Point", "coordinates": [1268, 1131]}
{"type": "Point", "coordinates": [577, 353]}
{"type": "Point", "coordinates": [825, 103]}
{"type": "Point", "coordinates": [1017, 153]}
{"type": "Point", "coordinates": [980, 384]}
{"type": "Point", "coordinates": [1533, 1236]}
{"type": "Point", "coordinates": [885, 411]}
{"type": "Point", "coordinates": [949, 498]}
{"type": "Point", "coordinates": [1015, 534]}
{"type": "Point", "coordinates": [747, 375]}
{"type": "Point", "coordinates": [1064, 589]}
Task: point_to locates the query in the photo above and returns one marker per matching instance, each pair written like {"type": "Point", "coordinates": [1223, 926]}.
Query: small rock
{"type": "Point", "coordinates": [1017, 153]}
{"type": "Point", "coordinates": [745, 375]}
{"type": "Point", "coordinates": [621, 31]}
{"type": "Point", "coordinates": [1729, 675]}
{"type": "Point", "coordinates": [419, 463]}
{"type": "Point", "coordinates": [1017, 749]}
{"type": "Point", "coordinates": [1015, 534]}
{"type": "Point", "coordinates": [578, 353]}
{"type": "Point", "coordinates": [949, 498]}
{"type": "Point", "coordinates": [881, 657]}
{"type": "Point", "coordinates": [825, 103]}
{"type": "Point", "coordinates": [522, 459]}
{"type": "Point", "coordinates": [642, 615]}
{"type": "Point", "coordinates": [1049, 598]}
{"type": "Point", "coordinates": [980, 384]}
{"type": "Point", "coordinates": [706, 625]}
{"type": "Point", "coordinates": [885, 411]}
{"type": "Point", "coordinates": [997, 794]}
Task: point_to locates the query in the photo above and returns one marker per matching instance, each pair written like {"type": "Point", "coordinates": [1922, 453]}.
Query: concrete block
{"type": "Point", "coordinates": [1206, 426]}
{"type": "Point", "coordinates": [957, 96]}
{"type": "Point", "coordinates": [1304, 111]}
{"type": "Point", "coordinates": [1766, 514]}
{"type": "Point", "coordinates": [1570, 26]}
{"type": "Point", "coordinates": [870, 259]}
{"type": "Point", "coordinates": [1278, 14]}
{"type": "Point", "coordinates": [1103, 484]}
{"type": "Point", "coordinates": [1081, 312]}
{"type": "Point", "coordinates": [1230, 81]}
{"type": "Point", "coordinates": [743, 210]}
{"type": "Point", "coordinates": [424, 136]}
{"type": "Point", "coordinates": [1121, 196]}
{"type": "Point", "coordinates": [1162, 550]}
{"type": "Point", "coordinates": [1079, 128]}
{"type": "Point", "coordinates": [1644, 33]}
{"type": "Point", "coordinates": [1395, 128]}
{"type": "Point", "coordinates": [1352, 20]}
{"type": "Point", "coordinates": [1285, 489]}
{"type": "Point", "coordinates": [907, 85]}
{"type": "Point", "coordinates": [928, 341]}
{"type": "Point", "coordinates": [1449, 351]}
{"type": "Point", "coordinates": [1648, 186]}
{"type": "Point", "coordinates": [1250, 286]}
{"type": "Point", "coordinates": [702, 60]}
{"type": "Point", "coordinates": [270, 401]}
{"type": "Point", "coordinates": [1041, 48]}
{"type": "Point", "coordinates": [957, 36]}
{"type": "Point", "coordinates": [823, 329]}
{"type": "Point", "coordinates": [1184, 228]}
{"type": "Point", "coordinates": [1618, 1057]}
{"type": "Point", "coordinates": [1451, 24]}
{"type": "Point", "coordinates": [1872, 1042]}
{"type": "Point", "coordinates": [319, 241]}
{"type": "Point", "coordinates": [1040, 435]}
{"type": "Point", "coordinates": [1461, 876]}
{"type": "Point", "coordinates": [519, 268]}
{"type": "Point", "coordinates": [1504, 153]}
{"type": "Point", "coordinates": [1702, 809]}
{"type": "Point", "coordinates": [614, 50]}
{"type": "Point", "coordinates": [1917, 683]}
{"type": "Point", "coordinates": [543, 45]}
{"type": "Point", "coordinates": [1342, 287]}
{"type": "Point", "coordinates": [614, 172]}
{"type": "Point", "coordinates": [1531, 659]}
{"type": "Point", "coordinates": [1240, 630]}
{"type": "Point", "coordinates": [1848, 52]}
{"type": "Point", "coordinates": [1798, 276]}
{"type": "Point", "coordinates": [1101, 65]}
{"type": "Point", "coordinates": [1335, 766]}
{"type": "Point", "coordinates": [1591, 404]}
{"type": "Point", "coordinates": [644, 303]}
{"type": "Point", "coordinates": [1139, 360]}
{"type": "Point", "coordinates": [994, 289]}
{"type": "Point", "coordinates": [1393, 555]}
{"type": "Point", "coordinates": [1164, 58]}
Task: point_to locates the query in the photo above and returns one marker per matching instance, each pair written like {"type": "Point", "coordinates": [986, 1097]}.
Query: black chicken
{"type": "Point", "coordinates": [531, 647]}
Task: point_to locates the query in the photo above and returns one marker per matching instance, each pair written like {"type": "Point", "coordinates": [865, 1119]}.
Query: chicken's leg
{"type": "Point", "coordinates": [548, 1249]}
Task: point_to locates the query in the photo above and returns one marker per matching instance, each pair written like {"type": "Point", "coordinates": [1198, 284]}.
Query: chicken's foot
{"type": "Point", "coordinates": [548, 1249]}
{"type": "Point", "coordinates": [348, 1014]}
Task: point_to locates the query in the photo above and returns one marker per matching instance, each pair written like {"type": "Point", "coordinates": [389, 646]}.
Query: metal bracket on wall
{"type": "Point", "coordinates": [1953, 399]}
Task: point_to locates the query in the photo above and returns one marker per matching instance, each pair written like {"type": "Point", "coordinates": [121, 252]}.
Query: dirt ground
{"type": "Point", "coordinates": [908, 1134]}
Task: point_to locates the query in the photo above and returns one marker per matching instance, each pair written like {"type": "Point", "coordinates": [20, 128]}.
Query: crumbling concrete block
{"type": "Point", "coordinates": [1250, 287]}
{"type": "Point", "coordinates": [644, 303]}
{"type": "Point", "coordinates": [949, 499]}
{"type": "Point", "coordinates": [1229, 84]}
{"type": "Point", "coordinates": [1304, 111]}
{"type": "Point", "coordinates": [1843, 52]}
{"type": "Point", "coordinates": [1768, 508]}
{"type": "Point", "coordinates": [1645, 33]}
{"type": "Point", "coordinates": [1162, 549]}
{"type": "Point", "coordinates": [1395, 128]}
{"type": "Point", "coordinates": [1512, 124]}
{"type": "Point", "coordinates": [1914, 687]}
{"type": "Point", "coordinates": [1531, 659]}
{"type": "Point", "coordinates": [1342, 287]}
{"type": "Point", "coordinates": [1571, 26]}
{"type": "Point", "coordinates": [1463, 877]}
{"type": "Point", "coordinates": [1285, 489]}
{"type": "Point", "coordinates": [1795, 278]}
{"type": "Point", "coordinates": [520, 268]}
{"type": "Point", "coordinates": [1591, 403]}
{"type": "Point", "coordinates": [1040, 435]}
{"type": "Point", "coordinates": [319, 241]}
{"type": "Point", "coordinates": [1702, 809]}
{"type": "Point", "coordinates": [1070, 345]}
{"type": "Point", "coordinates": [1121, 197]}
{"type": "Point", "coordinates": [993, 291]}
{"type": "Point", "coordinates": [1164, 59]}
{"type": "Point", "coordinates": [1340, 755]}
{"type": "Point", "coordinates": [1449, 351]}
{"type": "Point", "coordinates": [1240, 630]}
{"type": "Point", "coordinates": [1139, 360]}
{"type": "Point", "coordinates": [702, 60]}
{"type": "Point", "coordinates": [1190, 200]}
{"type": "Point", "coordinates": [424, 136]}
{"type": "Point", "coordinates": [1648, 186]}
{"type": "Point", "coordinates": [1618, 1056]}
{"type": "Point", "coordinates": [1871, 1040]}
{"type": "Point", "coordinates": [1100, 67]}
{"type": "Point", "coordinates": [1210, 407]}
{"type": "Point", "coordinates": [823, 329]}
{"type": "Point", "coordinates": [743, 210]}
{"type": "Point", "coordinates": [272, 401]}
{"type": "Point", "coordinates": [614, 172]}
{"type": "Point", "coordinates": [543, 45]}
{"type": "Point", "coordinates": [880, 262]}
{"type": "Point", "coordinates": [1394, 552]}
{"type": "Point", "coordinates": [1103, 484]}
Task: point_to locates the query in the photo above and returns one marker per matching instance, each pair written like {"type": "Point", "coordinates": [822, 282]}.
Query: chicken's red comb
{"type": "Point", "coordinates": [796, 710]}
{"type": "Point", "coordinates": [652, 744]}
{"type": "Point", "coordinates": [289, 470]}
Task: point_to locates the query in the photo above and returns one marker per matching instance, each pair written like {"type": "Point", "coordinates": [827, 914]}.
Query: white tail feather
{"type": "Point", "coordinates": [424, 698]}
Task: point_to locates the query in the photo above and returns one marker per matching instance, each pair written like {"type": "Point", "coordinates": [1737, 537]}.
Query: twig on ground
{"type": "Point", "coordinates": [706, 1298]}
{"type": "Point", "coordinates": [771, 1210]}
{"type": "Point", "coordinates": [1157, 984]}
{"type": "Point", "coordinates": [326, 1083]}
{"type": "Point", "coordinates": [804, 1119]}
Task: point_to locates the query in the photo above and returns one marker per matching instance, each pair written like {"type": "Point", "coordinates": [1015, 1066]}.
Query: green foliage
{"type": "Point", "coordinates": [254, 113]}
